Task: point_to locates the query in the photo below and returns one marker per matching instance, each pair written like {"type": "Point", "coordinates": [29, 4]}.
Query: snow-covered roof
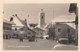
{"type": "Point", "coordinates": [62, 21]}
{"type": "Point", "coordinates": [17, 22]}
{"type": "Point", "coordinates": [39, 28]}
{"type": "Point", "coordinates": [6, 21]}
{"type": "Point", "coordinates": [49, 25]}
{"type": "Point", "coordinates": [65, 18]}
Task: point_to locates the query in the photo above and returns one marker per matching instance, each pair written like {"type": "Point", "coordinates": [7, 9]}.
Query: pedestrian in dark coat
{"type": "Point", "coordinates": [21, 38]}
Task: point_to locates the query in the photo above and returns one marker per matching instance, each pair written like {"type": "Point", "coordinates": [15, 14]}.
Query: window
{"type": "Point", "coordinates": [42, 17]}
{"type": "Point", "coordinates": [10, 28]}
{"type": "Point", "coordinates": [41, 33]}
{"type": "Point", "coordinates": [4, 28]}
{"type": "Point", "coordinates": [68, 30]}
{"type": "Point", "coordinates": [29, 33]}
{"type": "Point", "coordinates": [15, 35]}
{"type": "Point", "coordinates": [21, 29]}
{"type": "Point", "coordinates": [15, 29]}
{"type": "Point", "coordinates": [7, 28]}
{"type": "Point", "coordinates": [59, 30]}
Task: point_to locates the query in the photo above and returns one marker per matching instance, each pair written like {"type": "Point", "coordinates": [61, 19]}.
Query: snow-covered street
{"type": "Point", "coordinates": [40, 44]}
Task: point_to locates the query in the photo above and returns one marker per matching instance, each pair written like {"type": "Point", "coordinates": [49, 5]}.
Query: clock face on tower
{"type": "Point", "coordinates": [42, 17]}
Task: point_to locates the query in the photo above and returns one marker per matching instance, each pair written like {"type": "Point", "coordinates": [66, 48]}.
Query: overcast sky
{"type": "Point", "coordinates": [52, 11]}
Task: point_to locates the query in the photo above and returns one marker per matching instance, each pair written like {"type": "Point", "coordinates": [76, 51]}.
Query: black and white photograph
{"type": "Point", "coordinates": [49, 26]}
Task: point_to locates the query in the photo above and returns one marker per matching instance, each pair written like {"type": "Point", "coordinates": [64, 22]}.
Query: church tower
{"type": "Point", "coordinates": [42, 19]}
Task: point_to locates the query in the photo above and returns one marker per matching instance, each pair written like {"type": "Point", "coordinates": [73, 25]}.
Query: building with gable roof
{"type": "Point", "coordinates": [7, 29]}
{"type": "Point", "coordinates": [22, 30]}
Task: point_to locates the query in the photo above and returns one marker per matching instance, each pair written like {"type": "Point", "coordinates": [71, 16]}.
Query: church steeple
{"type": "Point", "coordinates": [42, 19]}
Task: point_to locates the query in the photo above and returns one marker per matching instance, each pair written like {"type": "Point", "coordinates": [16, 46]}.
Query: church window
{"type": "Point", "coordinates": [42, 17]}
{"type": "Point", "coordinates": [41, 33]}
{"type": "Point", "coordinates": [59, 30]}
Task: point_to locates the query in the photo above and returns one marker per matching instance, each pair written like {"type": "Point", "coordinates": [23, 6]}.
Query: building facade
{"type": "Point", "coordinates": [57, 30]}
{"type": "Point", "coordinates": [16, 31]}
{"type": "Point", "coordinates": [74, 9]}
{"type": "Point", "coordinates": [39, 31]}
{"type": "Point", "coordinates": [63, 30]}
{"type": "Point", "coordinates": [21, 31]}
{"type": "Point", "coordinates": [7, 29]}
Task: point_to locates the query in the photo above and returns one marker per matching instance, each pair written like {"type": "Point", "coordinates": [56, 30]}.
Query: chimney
{"type": "Point", "coordinates": [11, 19]}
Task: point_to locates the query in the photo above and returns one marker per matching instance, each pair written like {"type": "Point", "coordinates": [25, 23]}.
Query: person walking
{"type": "Point", "coordinates": [21, 38]}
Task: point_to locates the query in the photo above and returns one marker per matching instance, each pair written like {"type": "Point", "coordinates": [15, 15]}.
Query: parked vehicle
{"type": "Point", "coordinates": [31, 38]}
{"type": "Point", "coordinates": [63, 40]}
